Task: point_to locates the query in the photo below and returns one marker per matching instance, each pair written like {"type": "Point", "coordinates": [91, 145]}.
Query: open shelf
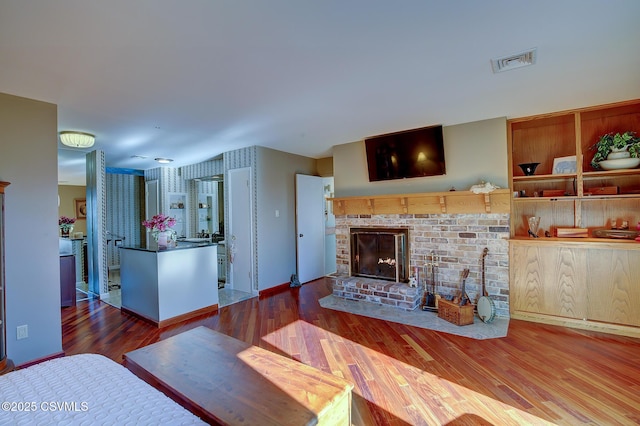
{"type": "Point", "coordinates": [452, 202]}
{"type": "Point", "coordinates": [551, 177]}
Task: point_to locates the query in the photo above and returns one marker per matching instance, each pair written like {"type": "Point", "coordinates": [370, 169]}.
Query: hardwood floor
{"type": "Point", "coordinates": [403, 375]}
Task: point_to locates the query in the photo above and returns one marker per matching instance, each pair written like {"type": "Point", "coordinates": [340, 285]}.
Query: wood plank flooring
{"type": "Point", "coordinates": [402, 375]}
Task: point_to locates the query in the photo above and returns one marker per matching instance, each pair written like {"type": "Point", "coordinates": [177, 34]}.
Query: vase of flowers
{"type": "Point", "coordinates": [160, 226]}
{"type": "Point", "coordinates": [66, 225]}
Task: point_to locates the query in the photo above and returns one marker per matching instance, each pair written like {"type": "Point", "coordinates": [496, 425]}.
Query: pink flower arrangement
{"type": "Point", "coordinates": [159, 223]}
{"type": "Point", "coordinates": [66, 222]}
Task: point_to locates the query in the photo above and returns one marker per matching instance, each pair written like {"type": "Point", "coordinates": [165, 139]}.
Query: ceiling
{"type": "Point", "coordinates": [189, 80]}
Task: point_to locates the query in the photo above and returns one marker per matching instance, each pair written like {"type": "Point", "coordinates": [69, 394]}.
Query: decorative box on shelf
{"type": "Point", "coordinates": [553, 193]}
{"type": "Point", "coordinates": [572, 232]}
{"type": "Point", "coordinates": [602, 190]}
{"type": "Point", "coordinates": [454, 313]}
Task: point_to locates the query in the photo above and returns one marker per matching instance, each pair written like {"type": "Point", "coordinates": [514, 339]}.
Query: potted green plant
{"type": "Point", "coordinates": [615, 143]}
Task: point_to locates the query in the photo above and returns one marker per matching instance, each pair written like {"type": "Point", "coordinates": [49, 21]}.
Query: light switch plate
{"type": "Point", "coordinates": [22, 332]}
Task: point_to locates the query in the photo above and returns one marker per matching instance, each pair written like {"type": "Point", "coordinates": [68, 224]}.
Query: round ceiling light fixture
{"type": "Point", "coordinates": [77, 139]}
{"type": "Point", "coordinates": [163, 160]}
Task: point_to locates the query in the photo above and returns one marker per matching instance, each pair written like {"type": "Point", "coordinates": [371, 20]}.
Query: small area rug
{"type": "Point", "coordinates": [418, 318]}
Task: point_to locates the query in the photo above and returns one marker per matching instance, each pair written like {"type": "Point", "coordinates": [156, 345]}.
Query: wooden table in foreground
{"type": "Point", "coordinates": [227, 381]}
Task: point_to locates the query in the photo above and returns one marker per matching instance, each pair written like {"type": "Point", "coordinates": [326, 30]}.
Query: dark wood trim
{"type": "Point", "coordinates": [6, 366]}
{"type": "Point", "coordinates": [39, 360]}
{"type": "Point", "coordinates": [139, 316]}
{"type": "Point", "coordinates": [273, 290]}
{"type": "Point", "coordinates": [173, 320]}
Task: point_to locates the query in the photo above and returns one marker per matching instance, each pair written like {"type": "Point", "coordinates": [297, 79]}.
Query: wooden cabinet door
{"type": "Point", "coordinates": [548, 280]}
{"type": "Point", "coordinates": [596, 284]}
{"type": "Point", "coordinates": [613, 286]}
{"type": "Point", "coordinates": [67, 281]}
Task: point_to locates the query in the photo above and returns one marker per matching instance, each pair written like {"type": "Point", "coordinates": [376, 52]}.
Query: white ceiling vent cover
{"type": "Point", "coordinates": [517, 60]}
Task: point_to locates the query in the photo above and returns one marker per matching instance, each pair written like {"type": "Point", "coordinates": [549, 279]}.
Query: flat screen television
{"type": "Point", "coordinates": [407, 154]}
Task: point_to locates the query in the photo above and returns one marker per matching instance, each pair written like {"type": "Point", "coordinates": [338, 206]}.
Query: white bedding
{"type": "Point", "coordinates": [85, 389]}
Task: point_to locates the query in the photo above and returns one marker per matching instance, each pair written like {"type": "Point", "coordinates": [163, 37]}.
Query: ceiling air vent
{"type": "Point", "coordinates": [517, 60]}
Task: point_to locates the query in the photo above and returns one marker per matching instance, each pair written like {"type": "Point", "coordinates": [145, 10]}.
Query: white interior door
{"type": "Point", "coordinates": [330, 265]}
{"type": "Point", "coordinates": [310, 227]}
{"type": "Point", "coordinates": [239, 243]}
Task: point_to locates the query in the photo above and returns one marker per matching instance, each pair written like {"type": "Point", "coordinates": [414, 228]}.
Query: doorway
{"type": "Point", "coordinates": [240, 234]}
{"type": "Point", "coordinates": [330, 264]}
{"type": "Point", "coordinates": [207, 213]}
{"type": "Point", "coordinates": [310, 227]}
{"type": "Point", "coordinates": [208, 218]}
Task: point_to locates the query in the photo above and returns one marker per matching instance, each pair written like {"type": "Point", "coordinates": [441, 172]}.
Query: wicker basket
{"type": "Point", "coordinates": [458, 315]}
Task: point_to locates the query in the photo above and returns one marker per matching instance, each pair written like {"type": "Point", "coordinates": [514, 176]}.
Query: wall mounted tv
{"type": "Point", "coordinates": [406, 154]}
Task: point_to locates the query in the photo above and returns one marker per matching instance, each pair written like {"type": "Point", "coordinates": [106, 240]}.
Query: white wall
{"type": "Point", "coordinates": [29, 160]}
{"type": "Point", "coordinates": [473, 152]}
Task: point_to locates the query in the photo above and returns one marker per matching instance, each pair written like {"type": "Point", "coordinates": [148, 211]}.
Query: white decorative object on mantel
{"type": "Point", "coordinates": [483, 188]}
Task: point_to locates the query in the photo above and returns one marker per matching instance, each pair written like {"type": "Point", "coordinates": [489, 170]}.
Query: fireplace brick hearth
{"type": "Point", "coordinates": [397, 295]}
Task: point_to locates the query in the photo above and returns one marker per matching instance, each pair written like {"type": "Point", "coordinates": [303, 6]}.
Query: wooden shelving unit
{"type": "Point", "coordinates": [543, 138]}
{"type": "Point", "coordinates": [579, 282]}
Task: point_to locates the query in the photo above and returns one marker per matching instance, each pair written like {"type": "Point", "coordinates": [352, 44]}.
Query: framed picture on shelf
{"type": "Point", "coordinates": [81, 208]}
{"type": "Point", "coordinates": [564, 165]}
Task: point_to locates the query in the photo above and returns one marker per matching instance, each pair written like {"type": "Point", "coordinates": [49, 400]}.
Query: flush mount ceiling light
{"type": "Point", "coordinates": [517, 60]}
{"type": "Point", "coordinates": [163, 160]}
{"type": "Point", "coordinates": [77, 139]}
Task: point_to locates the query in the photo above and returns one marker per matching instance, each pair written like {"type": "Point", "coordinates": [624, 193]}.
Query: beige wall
{"type": "Point", "coordinates": [473, 152]}
{"type": "Point", "coordinates": [276, 235]}
{"type": "Point", "coordinates": [29, 160]}
{"type": "Point", "coordinates": [68, 196]}
{"type": "Point", "coordinates": [325, 166]}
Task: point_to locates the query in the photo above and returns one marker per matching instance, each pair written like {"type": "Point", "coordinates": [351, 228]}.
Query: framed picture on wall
{"type": "Point", "coordinates": [564, 165]}
{"type": "Point", "coordinates": [81, 208]}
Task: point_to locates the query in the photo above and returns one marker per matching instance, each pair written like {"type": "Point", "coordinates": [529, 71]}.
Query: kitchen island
{"type": "Point", "coordinates": [171, 285]}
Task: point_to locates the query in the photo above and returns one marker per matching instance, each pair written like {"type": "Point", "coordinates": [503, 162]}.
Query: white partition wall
{"type": "Point", "coordinates": [96, 224]}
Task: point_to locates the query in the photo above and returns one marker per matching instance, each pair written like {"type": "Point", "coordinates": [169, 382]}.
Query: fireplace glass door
{"type": "Point", "coordinates": [379, 253]}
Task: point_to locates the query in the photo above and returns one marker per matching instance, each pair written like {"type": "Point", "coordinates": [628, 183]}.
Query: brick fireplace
{"type": "Point", "coordinates": [457, 239]}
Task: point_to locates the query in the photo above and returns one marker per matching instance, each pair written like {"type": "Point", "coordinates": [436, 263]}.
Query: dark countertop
{"type": "Point", "coordinates": [180, 246]}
